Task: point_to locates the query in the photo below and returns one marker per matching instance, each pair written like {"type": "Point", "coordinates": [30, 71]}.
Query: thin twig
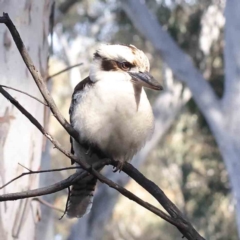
{"type": "Point", "coordinates": [66, 206]}
{"type": "Point", "coordinates": [61, 185]}
{"type": "Point", "coordinates": [17, 90]}
{"type": "Point", "coordinates": [56, 187]}
{"type": "Point", "coordinates": [37, 76]}
{"type": "Point", "coordinates": [85, 166]}
{"type": "Point", "coordinates": [47, 204]}
{"type": "Point", "coordinates": [36, 172]}
{"type": "Point", "coordinates": [64, 70]}
{"type": "Point", "coordinates": [35, 122]}
{"type": "Point", "coordinates": [188, 231]}
{"type": "Point", "coordinates": [24, 168]}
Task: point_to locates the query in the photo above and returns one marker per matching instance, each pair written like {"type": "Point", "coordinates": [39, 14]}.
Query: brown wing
{"type": "Point", "coordinates": [80, 87]}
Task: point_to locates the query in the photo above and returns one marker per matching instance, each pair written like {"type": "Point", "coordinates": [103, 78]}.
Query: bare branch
{"type": "Point", "coordinates": [37, 76]}
{"type": "Point", "coordinates": [36, 172]}
{"type": "Point", "coordinates": [64, 70]}
{"type": "Point", "coordinates": [176, 217]}
{"type": "Point", "coordinates": [69, 181]}
{"type": "Point", "coordinates": [66, 206]}
{"type": "Point", "coordinates": [85, 166]}
{"type": "Point", "coordinates": [56, 187]}
{"type": "Point", "coordinates": [24, 93]}
{"type": "Point", "coordinates": [35, 122]}
{"type": "Point", "coordinates": [186, 228]}
{"type": "Point", "coordinates": [24, 168]}
{"type": "Point", "coordinates": [47, 204]}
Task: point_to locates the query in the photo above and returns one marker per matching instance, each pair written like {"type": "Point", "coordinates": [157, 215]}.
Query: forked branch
{"type": "Point", "coordinates": [176, 218]}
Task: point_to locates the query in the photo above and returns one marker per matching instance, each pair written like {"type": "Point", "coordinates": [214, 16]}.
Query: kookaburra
{"type": "Point", "coordinates": [111, 112]}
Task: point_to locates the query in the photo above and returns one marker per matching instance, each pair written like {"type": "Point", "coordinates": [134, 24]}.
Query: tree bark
{"type": "Point", "coordinates": [20, 141]}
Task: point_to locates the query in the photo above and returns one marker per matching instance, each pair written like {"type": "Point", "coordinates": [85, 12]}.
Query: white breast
{"type": "Point", "coordinates": [107, 115]}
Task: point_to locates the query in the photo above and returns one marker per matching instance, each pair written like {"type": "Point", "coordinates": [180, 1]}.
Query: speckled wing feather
{"type": "Point", "coordinates": [80, 87]}
{"type": "Point", "coordinates": [81, 196]}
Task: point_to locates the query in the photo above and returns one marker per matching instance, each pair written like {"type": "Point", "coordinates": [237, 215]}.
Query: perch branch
{"type": "Point", "coordinates": [186, 228]}
{"type": "Point", "coordinates": [176, 217]}
{"type": "Point", "coordinates": [59, 186]}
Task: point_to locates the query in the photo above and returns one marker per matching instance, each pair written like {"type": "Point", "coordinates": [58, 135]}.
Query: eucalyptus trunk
{"type": "Point", "coordinates": [20, 141]}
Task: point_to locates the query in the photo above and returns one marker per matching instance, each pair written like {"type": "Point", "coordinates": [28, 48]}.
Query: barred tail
{"type": "Point", "coordinates": [81, 197]}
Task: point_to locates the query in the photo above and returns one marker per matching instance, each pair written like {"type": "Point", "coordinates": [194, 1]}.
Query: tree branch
{"type": "Point", "coordinates": [61, 185]}
{"type": "Point", "coordinates": [75, 177]}
{"type": "Point", "coordinates": [45, 203]}
{"type": "Point", "coordinates": [56, 187]}
{"type": "Point", "coordinates": [36, 172]}
{"type": "Point", "coordinates": [37, 76]}
{"type": "Point", "coordinates": [64, 70]}
{"type": "Point", "coordinates": [24, 93]}
{"type": "Point", "coordinates": [184, 225]}
{"type": "Point", "coordinates": [176, 219]}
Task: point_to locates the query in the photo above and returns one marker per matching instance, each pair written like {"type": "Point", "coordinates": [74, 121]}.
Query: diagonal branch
{"type": "Point", "coordinates": [69, 181]}
{"type": "Point", "coordinates": [176, 219]}
{"type": "Point", "coordinates": [64, 70]}
{"type": "Point", "coordinates": [189, 231]}
{"type": "Point", "coordinates": [37, 76]}
{"type": "Point", "coordinates": [45, 203]}
{"type": "Point", "coordinates": [17, 90]}
{"type": "Point", "coordinates": [181, 225]}
{"type": "Point", "coordinates": [56, 187]}
{"type": "Point", "coordinates": [36, 172]}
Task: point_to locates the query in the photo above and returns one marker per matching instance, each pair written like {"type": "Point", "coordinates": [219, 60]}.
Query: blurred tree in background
{"type": "Point", "coordinates": [183, 158]}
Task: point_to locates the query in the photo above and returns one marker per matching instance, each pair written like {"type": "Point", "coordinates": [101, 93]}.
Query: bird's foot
{"type": "Point", "coordinates": [119, 166]}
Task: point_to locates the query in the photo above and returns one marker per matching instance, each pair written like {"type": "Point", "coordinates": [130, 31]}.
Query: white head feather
{"type": "Point", "coordinates": [118, 53]}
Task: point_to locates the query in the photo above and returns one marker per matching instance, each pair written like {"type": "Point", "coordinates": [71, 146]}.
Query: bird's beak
{"type": "Point", "coordinates": [146, 80]}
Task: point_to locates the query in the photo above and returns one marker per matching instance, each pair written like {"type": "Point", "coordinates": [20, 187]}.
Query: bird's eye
{"type": "Point", "coordinates": [125, 66]}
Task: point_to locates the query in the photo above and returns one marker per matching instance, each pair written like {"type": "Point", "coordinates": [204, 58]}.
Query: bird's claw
{"type": "Point", "coordinates": [119, 167]}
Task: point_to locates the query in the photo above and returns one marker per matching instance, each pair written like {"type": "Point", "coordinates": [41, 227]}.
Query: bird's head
{"type": "Point", "coordinates": [123, 62]}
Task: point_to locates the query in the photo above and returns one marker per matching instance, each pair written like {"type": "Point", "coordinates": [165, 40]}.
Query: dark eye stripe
{"type": "Point", "coordinates": [112, 65]}
{"type": "Point", "coordinates": [109, 65]}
